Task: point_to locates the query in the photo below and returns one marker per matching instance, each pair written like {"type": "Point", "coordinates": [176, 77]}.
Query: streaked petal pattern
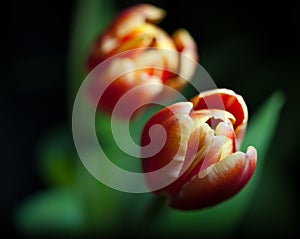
{"type": "Point", "coordinates": [205, 139]}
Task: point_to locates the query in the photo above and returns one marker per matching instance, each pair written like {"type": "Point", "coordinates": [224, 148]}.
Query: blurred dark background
{"type": "Point", "coordinates": [252, 48]}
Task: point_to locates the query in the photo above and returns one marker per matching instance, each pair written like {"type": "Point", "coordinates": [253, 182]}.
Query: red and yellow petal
{"type": "Point", "coordinates": [188, 57]}
{"type": "Point", "coordinates": [227, 100]}
{"type": "Point", "coordinates": [152, 51]}
{"type": "Point", "coordinates": [135, 16]}
{"type": "Point", "coordinates": [217, 183]}
{"type": "Point", "coordinates": [178, 125]}
{"type": "Point", "coordinates": [131, 29]}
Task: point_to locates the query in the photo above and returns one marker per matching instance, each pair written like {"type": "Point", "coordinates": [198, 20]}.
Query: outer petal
{"type": "Point", "coordinates": [217, 183]}
{"type": "Point", "coordinates": [185, 44]}
{"type": "Point", "coordinates": [134, 16]}
{"type": "Point", "coordinates": [174, 119]}
{"type": "Point", "coordinates": [211, 147]}
{"type": "Point", "coordinates": [187, 48]}
{"type": "Point", "coordinates": [227, 100]}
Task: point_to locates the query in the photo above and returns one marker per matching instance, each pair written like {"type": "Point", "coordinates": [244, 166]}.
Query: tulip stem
{"type": "Point", "coordinates": [152, 212]}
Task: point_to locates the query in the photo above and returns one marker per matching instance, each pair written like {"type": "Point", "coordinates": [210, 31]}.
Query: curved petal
{"type": "Point", "coordinates": [217, 183]}
{"type": "Point", "coordinates": [227, 100]}
{"type": "Point", "coordinates": [134, 16]}
{"type": "Point", "coordinates": [187, 48]}
{"type": "Point", "coordinates": [174, 119]}
{"type": "Point", "coordinates": [205, 148]}
{"type": "Point", "coordinates": [185, 44]}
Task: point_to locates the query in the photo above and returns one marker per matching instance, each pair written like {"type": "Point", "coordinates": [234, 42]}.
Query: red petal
{"type": "Point", "coordinates": [225, 100]}
{"type": "Point", "coordinates": [217, 183]}
{"type": "Point", "coordinates": [172, 119]}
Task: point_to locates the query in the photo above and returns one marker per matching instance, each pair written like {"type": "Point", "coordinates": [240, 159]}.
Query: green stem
{"type": "Point", "coordinates": [152, 213]}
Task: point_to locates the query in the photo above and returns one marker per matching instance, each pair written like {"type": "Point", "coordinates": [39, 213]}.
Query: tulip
{"type": "Point", "coordinates": [134, 28]}
{"type": "Point", "coordinates": [202, 141]}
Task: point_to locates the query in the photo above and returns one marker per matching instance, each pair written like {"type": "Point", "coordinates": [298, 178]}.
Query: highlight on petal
{"type": "Point", "coordinates": [217, 183]}
{"type": "Point", "coordinates": [186, 45]}
{"type": "Point", "coordinates": [226, 100]}
{"type": "Point", "coordinates": [178, 125]}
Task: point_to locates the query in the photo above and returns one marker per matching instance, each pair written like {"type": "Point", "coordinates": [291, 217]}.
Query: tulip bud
{"type": "Point", "coordinates": [203, 138]}
{"type": "Point", "coordinates": [134, 28]}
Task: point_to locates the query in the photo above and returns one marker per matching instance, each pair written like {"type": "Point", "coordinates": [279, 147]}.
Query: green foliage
{"type": "Point", "coordinates": [56, 158]}
{"type": "Point", "coordinates": [56, 211]}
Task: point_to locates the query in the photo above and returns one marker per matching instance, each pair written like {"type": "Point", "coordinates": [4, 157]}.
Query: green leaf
{"type": "Point", "coordinates": [107, 140]}
{"type": "Point", "coordinates": [89, 20]}
{"type": "Point", "coordinates": [222, 219]}
{"type": "Point", "coordinates": [58, 211]}
{"type": "Point", "coordinates": [263, 125]}
{"type": "Point", "coordinates": [56, 158]}
{"type": "Point", "coordinates": [104, 205]}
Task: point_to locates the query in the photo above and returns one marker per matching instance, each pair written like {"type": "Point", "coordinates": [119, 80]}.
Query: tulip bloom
{"type": "Point", "coordinates": [134, 28]}
{"type": "Point", "coordinates": [203, 137]}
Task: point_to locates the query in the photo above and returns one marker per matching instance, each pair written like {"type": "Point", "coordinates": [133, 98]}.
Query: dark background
{"type": "Point", "coordinates": [250, 48]}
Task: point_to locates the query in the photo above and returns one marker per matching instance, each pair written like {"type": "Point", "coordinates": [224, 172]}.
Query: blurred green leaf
{"type": "Point", "coordinates": [223, 218]}
{"type": "Point", "coordinates": [66, 210]}
{"type": "Point", "coordinates": [89, 19]}
{"type": "Point", "coordinates": [56, 158]}
{"type": "Point", "coordinates": [110, 147]}
{"type": "Point", "coordinates": [262, 126]}
{"type": "Point", "coordinates": [107, 140]}
{"type": "Point", "coordinates": [104, 205]}
{"type": "Point", "coordinates": [54, 212]}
